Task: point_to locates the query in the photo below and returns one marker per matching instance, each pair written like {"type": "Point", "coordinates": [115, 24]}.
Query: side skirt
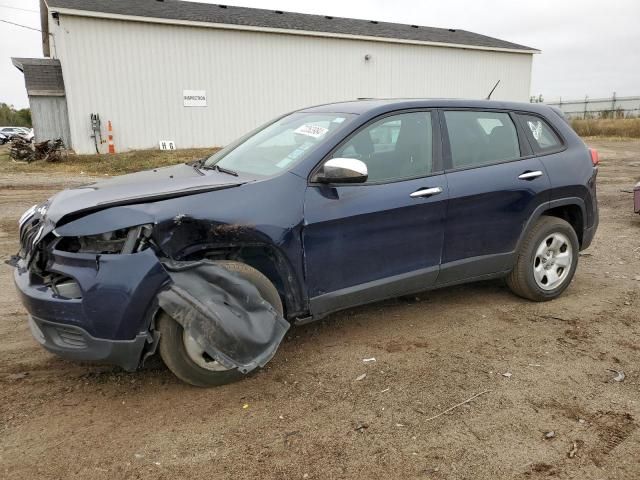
{"type": "Point", "coordinates": [453, 273]}
{"type": "Point", "coordinates": [373, 291]}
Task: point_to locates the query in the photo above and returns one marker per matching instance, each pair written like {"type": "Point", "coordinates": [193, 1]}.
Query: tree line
{"type": "Point", "coordinates": [10, 117]}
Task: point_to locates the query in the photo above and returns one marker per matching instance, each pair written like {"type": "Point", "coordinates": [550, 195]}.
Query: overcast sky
{"type": "Point", "coordinates": [589, 47]}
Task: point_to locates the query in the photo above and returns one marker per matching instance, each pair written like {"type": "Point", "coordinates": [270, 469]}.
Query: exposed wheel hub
{"type": "Point", "coordinates": [197, 354]}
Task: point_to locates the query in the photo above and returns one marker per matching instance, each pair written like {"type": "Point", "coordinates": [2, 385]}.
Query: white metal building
{"type": "Point", "coordinates": [202, 74]}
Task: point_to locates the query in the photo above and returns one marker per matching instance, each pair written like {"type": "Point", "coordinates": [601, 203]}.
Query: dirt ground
{"type": "Point", "coordinates": [543, 367]}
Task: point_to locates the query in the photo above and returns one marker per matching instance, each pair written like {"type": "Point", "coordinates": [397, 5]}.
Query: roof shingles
{"type": "Point", "coordinates": [253, 17]}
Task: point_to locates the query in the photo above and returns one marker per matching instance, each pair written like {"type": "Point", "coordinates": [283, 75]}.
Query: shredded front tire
{"type": "Point", "coordinates": [177, 351]}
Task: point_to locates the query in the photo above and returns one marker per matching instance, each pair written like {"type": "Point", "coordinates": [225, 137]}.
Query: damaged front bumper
{"type": "Point", "coordinates": [75, 343]}
{"type": "Point", "coordinates": [101, 308]}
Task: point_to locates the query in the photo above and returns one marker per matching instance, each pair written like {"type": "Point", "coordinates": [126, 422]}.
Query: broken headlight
{"type": "Point", "coordinates": [123, 241]}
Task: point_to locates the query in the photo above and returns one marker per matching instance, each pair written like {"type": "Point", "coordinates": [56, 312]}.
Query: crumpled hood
{"type": "Point", "coordinates": [150, 185]}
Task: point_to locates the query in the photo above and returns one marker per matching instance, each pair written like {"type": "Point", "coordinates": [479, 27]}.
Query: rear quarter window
{"type": "Point", "coordinates": [542, 137]}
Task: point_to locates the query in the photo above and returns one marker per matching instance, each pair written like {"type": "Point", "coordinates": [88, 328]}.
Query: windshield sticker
{"type": "Point", "coordinates": [309, 130]}
{"type": "Point", "coordinates": [284, 162]}
{"type": "Point", "coordinates": [536, 129]}
{"type": "Point", "coordinates": [297, 153]}
{"type": "Point", "coordinates": [339, 120]}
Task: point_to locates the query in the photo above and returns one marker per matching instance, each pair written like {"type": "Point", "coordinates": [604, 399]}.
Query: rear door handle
{"type": "Point", "coordinates": [530, 175]}
{"type": "Point", "coordinates": [426, 192]}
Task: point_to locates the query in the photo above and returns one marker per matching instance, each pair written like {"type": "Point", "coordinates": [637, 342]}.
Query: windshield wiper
{"type": "Point", "coordinates": [224, 170]}
{"type": "Point", "coordinates": [197, 165]}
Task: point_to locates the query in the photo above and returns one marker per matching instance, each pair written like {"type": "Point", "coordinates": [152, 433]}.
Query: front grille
{"type": "Point", "coordinates": [28, 235]}
{"type": "Point", "coordinates": [32, 230]}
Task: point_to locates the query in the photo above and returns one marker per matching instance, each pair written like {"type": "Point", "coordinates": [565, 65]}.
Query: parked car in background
{"type": "Point", "coordinates": [22, 132]}
{"type": "Point", "coordinates": [323, 209]}
{"type": "Point", "coordinates": [29, 134]}
{"type": "Point", "coordinates": [3, 139]}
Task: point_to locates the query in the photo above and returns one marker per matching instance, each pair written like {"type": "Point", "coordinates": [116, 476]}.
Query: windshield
{"type": "Point", "coordinates": [280, 145]}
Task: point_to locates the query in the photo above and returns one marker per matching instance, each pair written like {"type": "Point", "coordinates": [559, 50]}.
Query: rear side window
{"type": "Point", "coordinates": [541, 136]}
{"type": "Point", "coordinates": [479, 138]}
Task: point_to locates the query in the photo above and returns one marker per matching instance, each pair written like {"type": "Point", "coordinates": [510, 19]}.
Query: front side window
{"type": "Point", "coordinates": [542, 137]}
{"type": "Point", "coordinates": [393, 148]}
{"type": "Point", "coordinates": [479, 138]}
{"type": "Point", "coordinates": [280, 145]}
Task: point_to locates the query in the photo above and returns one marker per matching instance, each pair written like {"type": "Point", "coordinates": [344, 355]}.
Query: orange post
{"type": "Point", "coordinates": [112, 147]}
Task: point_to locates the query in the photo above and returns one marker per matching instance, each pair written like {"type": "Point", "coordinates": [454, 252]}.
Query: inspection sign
{"type": "Point", "coordinates": [194, 98]}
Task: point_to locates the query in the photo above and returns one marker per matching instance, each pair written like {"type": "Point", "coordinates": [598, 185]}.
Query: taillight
{"type": "Point", "coordinates": [595, 158]}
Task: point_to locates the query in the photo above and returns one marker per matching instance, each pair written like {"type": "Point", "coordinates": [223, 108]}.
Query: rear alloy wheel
{"type": "Point", "coordinates": [546, 261]}
{"type": "Point", "coordinates": [552, 262]}
{"type": "Point", "coordinates": [182, 354]}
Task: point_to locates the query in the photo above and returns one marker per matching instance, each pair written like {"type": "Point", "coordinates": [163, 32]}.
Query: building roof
{"type": "Point", "coordinates": [42, 76]}
{"type": "Point", "coordinates": [174, 11]}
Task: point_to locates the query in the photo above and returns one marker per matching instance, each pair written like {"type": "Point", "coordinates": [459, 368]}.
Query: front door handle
{"type": "Point", "coordinates": [530, 175]}
{"type": "Point", "coordinates": [426, 192]}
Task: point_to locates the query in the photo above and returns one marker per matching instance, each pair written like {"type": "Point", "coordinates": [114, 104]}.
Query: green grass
{"type": "Point", "coordinates": [116, 164]}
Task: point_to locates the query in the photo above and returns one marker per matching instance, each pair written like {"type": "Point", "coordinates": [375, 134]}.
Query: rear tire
{"type": "Point", "coordinates": [546, 261]}
{"type": "Point", "coordinates": [173, 342]}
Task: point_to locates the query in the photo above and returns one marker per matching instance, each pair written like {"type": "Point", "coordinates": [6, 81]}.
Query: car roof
{"type": "Point", "coordinates": [382, 105]}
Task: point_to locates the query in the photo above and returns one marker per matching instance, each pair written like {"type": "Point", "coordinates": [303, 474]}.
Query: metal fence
{"type": "Point", "coordinates": [612, 107]}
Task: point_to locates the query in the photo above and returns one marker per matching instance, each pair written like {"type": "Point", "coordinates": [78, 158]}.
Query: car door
{"type": "Point", "coordinates": [383, 238]}
{"type": "Point", "coordinates": [495, 184]}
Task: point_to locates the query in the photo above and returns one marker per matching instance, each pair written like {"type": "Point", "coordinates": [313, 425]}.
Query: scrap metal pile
{"type": "Point", "coordinates": [49, 150]}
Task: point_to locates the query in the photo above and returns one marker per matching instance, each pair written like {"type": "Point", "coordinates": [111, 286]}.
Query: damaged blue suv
{"type": "Point", "coordinates": [323, 209]}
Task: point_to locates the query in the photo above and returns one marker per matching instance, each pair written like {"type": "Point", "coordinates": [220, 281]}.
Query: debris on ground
{"type": "Point", "coordinates": [49, 150]}
{"type": "Point", "coordinates": [361, 377]}
{"type": "Point", "coordinates": [574, 450]}
{"type": "Point", "coordinates": [619, 375]}
{"type": "Point", "coordinates": [550, 435]}
{"type": "Point", "coordinates": [507, 374]}
{"type": "Point", "coordinates": [369, 360]}
{"type": "Point", "coordinates": [457, 405]}
{"type": "Point", "coordinates": [361, 427]}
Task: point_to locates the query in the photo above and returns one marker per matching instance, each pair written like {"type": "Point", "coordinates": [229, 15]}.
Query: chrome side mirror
{"type": "Point", "coordinates": [343, 170]}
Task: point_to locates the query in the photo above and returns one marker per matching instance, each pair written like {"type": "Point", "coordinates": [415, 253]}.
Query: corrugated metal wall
{"type": "Point", "coordinates": [134, 74]}
{"type": "Point", "coordinates": [49, 115]}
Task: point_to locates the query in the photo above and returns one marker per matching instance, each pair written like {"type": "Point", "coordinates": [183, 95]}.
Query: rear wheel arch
{"type": "Point", "coordinates": [572, 210]}
{"type": "Point", "coordinates": [571, 213]}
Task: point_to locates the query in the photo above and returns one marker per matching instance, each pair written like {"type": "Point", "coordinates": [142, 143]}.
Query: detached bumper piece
{"type": "Point", "coordinates": [75, 343]}
{"type": "Point", "coordinates": [224, 313]}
